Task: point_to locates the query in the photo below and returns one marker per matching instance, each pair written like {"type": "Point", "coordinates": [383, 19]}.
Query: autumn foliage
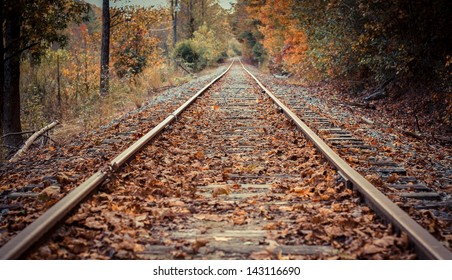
{"type": "Point", "coordinates": [203, 34]}
{"type": "Point", "coordinates": [399, 49]}
{"type": "Point", "coordinates": [371, 41]}
{"type": "Point", "coordinates": [134, 46]}
{"type": "Point", "coordinates": [63, 82]}
{"type": "Point", "coordinates": [283, 38]}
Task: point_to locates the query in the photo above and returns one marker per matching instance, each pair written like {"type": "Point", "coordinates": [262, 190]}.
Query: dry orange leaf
{"type": "Point", "coordinates": [209, 217]}
{"type": "Point", "coordinates": [198, 244]}
{"type": "Point", "coordinates": [393, 178]}
{"type": "Point", "coordinates": [271, 226]}
{"type": "Point", "coordinates": [239, 220]}
{"type": "Point", "coordinates": [199, 155]}
{"type": "Point", "coordinates": [221, 191]}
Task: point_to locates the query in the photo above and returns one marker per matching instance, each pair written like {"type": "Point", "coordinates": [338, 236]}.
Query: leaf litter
{"type": "Point", "coordinates": [157, 209]}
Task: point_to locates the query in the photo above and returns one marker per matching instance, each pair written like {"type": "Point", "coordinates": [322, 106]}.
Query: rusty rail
{"type": "Point", "coordinates": [425, 244]}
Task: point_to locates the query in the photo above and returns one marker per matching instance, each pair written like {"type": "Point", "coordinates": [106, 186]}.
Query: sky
{"type": "Point", "coordinates": [223, 3]}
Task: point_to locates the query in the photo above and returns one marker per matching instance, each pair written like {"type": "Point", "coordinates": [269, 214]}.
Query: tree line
{"type": "Point", "coordinates": [393, 44]}
{"type": "Point", "coordinates": [61, 58]}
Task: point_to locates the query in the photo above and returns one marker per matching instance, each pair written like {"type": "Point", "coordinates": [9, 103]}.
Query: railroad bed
{"type": "Point", "coordinates": [230, 178]}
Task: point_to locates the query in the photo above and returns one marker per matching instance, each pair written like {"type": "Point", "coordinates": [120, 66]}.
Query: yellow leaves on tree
{"type": "Point", "coordinates": [206, 40]}
{"type": "Point", "coordinates": [283, 37]}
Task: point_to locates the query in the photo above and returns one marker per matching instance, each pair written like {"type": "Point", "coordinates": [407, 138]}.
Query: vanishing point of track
{"type": "Point", "coordinates": [251, 193]}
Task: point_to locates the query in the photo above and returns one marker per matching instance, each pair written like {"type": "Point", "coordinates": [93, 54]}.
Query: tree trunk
{"type": "Point", "coordinates": [2, 63]}
{"type": "Point", "coordinates": [202, 11]}
{"type": "Point", "coordinates": [191, 18]}
{"type": "Point", "coordinates": [175, 10]}
{"type": "Point", "coordinates": [105, 49]}
{"type": "Point", "coordinates": [85, 45]}
{"type": "Point", "coordinates": [11, 101]}
{"type": "Point", "coordinates": [59, 85]}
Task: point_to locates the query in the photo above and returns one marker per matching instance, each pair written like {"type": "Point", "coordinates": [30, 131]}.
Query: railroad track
{"type": "Point", "coordinates": [231, 178]}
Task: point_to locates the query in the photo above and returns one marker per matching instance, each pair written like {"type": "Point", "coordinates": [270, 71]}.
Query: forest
{"type": "Point", "coordinates": [83, 65]}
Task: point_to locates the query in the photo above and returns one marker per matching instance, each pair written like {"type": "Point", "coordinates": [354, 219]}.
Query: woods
{"type": "Point", "coordinates": [367, 41]}
{"type": "Point", "coordinates": [201, 33]}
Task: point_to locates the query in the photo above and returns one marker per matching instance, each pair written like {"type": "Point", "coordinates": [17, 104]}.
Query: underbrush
{"type": "Point", "coordinates": [80, 107]}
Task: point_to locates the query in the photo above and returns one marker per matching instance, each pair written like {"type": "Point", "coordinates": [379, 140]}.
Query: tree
{"type": "Point", "coordinates": [206, 40]}
{"type": "Point", "coordinates": [11, 99]}
{"type": "Point", "coordinates": [133, 44]}
{"type": "Point", "coordinates": [174, 11]}
{"type": "Point", "coordinates": [245, 27]}
{"type": "Point", "coordinates": [2, 64]}
{"type": "Point", "coordinates": [29, 26]}
{"type": "Point", "coordinates": [192, 14]}
{"type": "Point", "coordinates": [283, 37]}
{"type": "Point", "coordinates": [105, 49]}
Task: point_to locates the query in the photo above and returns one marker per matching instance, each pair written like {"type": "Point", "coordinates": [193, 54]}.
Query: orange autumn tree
{"type": "Point", "coordinates": [283, 38]}
{"type": "Point", "coordinates": [134, 45]}
{"type": "Point", "coordinates": [81, 72]}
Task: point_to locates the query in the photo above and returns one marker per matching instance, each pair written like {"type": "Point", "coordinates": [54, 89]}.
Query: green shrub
{"type": "Point", "coordinates": [186, 52]}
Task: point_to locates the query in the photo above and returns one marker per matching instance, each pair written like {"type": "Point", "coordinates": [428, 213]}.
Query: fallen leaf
{"type": "Point", "coordinates": [261, 255]}
{"type": "Point", "coordinates": [77, 217]}
{"type": "Point", "coordinates": [302, 191]}
{"type": "Point", "coordinates": [200, 155]}
{"type": "Point", "coordinates": [372, 249]}
{"type": "Point", "coordinates": [179, 254]}
{"type": "Point", "coordinates": [137, 248]}
{"type": "Point", "coordinates": [324, 211]}
{"type": "Point", "coordinates": [239, 220]}
{"type": "Point", "coordinates": [199, 243]}
{"type": "Point", "coordinates": [271, 226]}
{"type": "Point", "coordinates": [208, 217]}
{"type": "Point", "coordinates": [385, 242]}
{"type": "Point", "coordinates": [334, 231]}
{"type": "Point", "coordinates": [49, 193]}
{"type": "Point", "coordinates": [393, 178]}
{"type": "Point", "coordinates": [91, 222]}
{"type": "Point", "coordinates": [176, 203]}
{"type": "Point", "coordinates": [64, 178]}
{"type": "Point", "coordinates": [286, 208]}
{"type": "Point", "coordinates": [139, 220]}
{"type": "Point", "coordinates": [221, 191]}
{"type": "Point", "coordinates": [375, 180]}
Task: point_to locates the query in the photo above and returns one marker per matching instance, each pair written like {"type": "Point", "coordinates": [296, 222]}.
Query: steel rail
{"type": "Point", "coordinates": [425, 244]}
{"type": "Point", "coordinates": [29, 236]}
